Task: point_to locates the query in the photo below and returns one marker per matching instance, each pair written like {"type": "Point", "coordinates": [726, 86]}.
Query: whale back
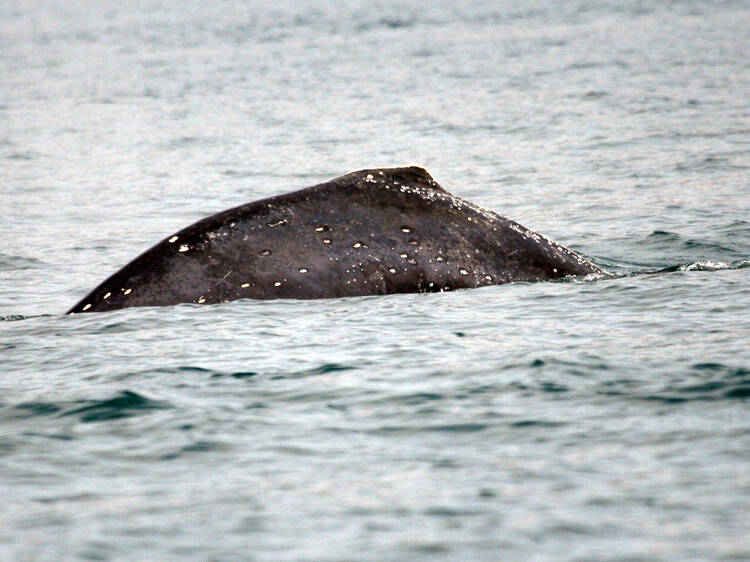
{"type": "Point", "coordinates": [369, 232]}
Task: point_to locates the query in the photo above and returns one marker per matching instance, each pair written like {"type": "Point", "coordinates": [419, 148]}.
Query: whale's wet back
{"type": "Point", "coordinates": [369, 232]}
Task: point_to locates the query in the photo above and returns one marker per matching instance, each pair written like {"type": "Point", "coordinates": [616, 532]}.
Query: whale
{"type": "Point", "coordinates": [369, 232]}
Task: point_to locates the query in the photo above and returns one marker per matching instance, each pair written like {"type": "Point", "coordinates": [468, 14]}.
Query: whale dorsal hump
{"type": "Point", "coordinates": [408, 175]}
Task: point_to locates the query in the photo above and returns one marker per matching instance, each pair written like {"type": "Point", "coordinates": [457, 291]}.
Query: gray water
{"type": "Point", "coordinates": [599, 420]}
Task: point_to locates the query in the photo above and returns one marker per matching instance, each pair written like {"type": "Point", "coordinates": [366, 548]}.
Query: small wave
{"type": "Point", "coordinates": [33, 409]}
{"type": "Point", "coordinates": [27, 155]}
{"type": "Point", "coordinates": [201, 446]}
{"type": "Point", "coordinates": [711, 381]}
{"type": "Point", "coordinates": [187, 141]}
{"type": "Point", "coordinates": [467, 427]}
{"type": "Point", "coordinates": [704, 265]}
{"type": "Point", "coordinates": [393, 22]}
{"type": "Point", "coordinates": [192, 369]}
{"type": "Point", "coordinates": [321, 370]}
{"type": "Point", "coordinates": [18, 317]}
{"type": "Point", "coordinates": [709, 163]}
{"type": "Point", "coordinates": [9, 262]}
{"type": "Point", "coordinates": [396, 22]}
{"type": "Point", "coordinates": [124, 405]}
{"type": "Point", "coordinates": [417, 398]}
{"type": "Point", "coordinates": [236, 375]}
{"type": "Point", "coordinates": [664, 240]}
{"type": "Point", "coordinates": [458, 427]}
{"type": "Point", "coordinates": [536, 423]}
{"type": "Point", "coordinates": [13, 318]}
{"type": "Point", "coordinates": [709, 265]}
{"type": "Point", "coordinates": [203, 371]}
{"type": "Point", "coordinates": [588, 278]}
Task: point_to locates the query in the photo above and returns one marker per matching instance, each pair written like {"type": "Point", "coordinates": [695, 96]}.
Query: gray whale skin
{"type": "Point", "coordinates": [370, 232]}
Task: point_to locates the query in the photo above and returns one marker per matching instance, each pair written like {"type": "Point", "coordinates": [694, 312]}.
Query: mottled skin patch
{"type": "Point", "coordinates": [342, 238]}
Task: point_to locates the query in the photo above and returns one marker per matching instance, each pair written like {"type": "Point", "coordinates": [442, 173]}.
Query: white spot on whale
{"type": "Point", "coordinates": [86, 307]}
{"type": "Point", "coordinates": [326, 240]}
{"type": "Point", "coordinates": [184, 248]}
{"type": "Point", "coordinates": [173, 239]}
{"type": "Point", "coordinates": [463, 272]}
{"type": "Point", "coordinates": [245, 285]}
{"type": "Point", "coordinates": [392, 270]}
{"type": "Point", "coordinates": [303, 270]}
{"type": "Point", "coordinates": [127, 291]}
{"type": "Point", "coordinates": [440, 258]}
{"type": "Point", "coordinates": [107, 296]}
{"type": "Point", "coordinates": [201, 300]}
{"type": "Point", "coordinates": [277, 284]}
{"type": "Point", "coordinates": [404, 256]}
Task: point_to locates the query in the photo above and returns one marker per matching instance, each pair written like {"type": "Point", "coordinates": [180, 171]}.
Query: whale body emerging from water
{"type": "Point", "coordinates": [370, 232]}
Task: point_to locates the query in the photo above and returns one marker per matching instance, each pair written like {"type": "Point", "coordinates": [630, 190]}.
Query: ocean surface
{"type": "Point", "coordinates": [586, 421]}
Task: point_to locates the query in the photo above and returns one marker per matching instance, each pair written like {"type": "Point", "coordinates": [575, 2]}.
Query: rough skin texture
{"type": "Point", "coordinates": [370, 232]}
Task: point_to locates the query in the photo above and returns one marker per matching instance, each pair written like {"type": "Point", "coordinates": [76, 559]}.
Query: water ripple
{"type": "Point", "coordinates": [123, 405]}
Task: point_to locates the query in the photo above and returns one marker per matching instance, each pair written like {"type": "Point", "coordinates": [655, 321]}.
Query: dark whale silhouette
{"type": "Point", "coordinates": [370, 232]}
